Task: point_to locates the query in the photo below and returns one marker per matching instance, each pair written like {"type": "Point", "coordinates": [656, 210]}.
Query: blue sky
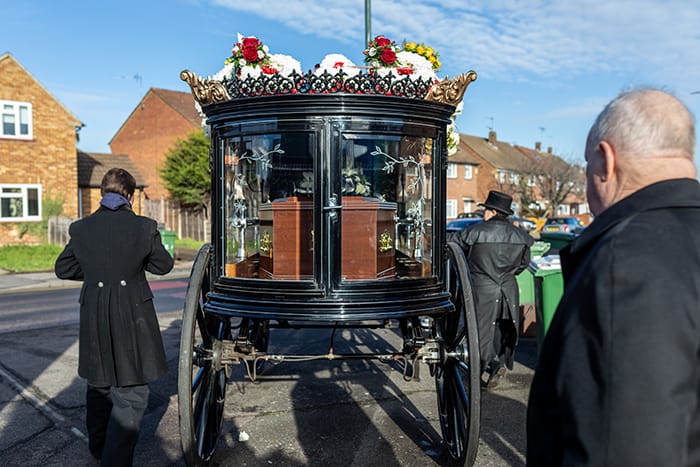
{"type": "Point", "coordinates": [546, 68]}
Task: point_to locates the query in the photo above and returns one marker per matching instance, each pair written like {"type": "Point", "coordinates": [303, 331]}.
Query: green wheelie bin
{"type": "Point", "coordinates": [549, 287]}
{"type": "Point", "coordinates": [526, 291]}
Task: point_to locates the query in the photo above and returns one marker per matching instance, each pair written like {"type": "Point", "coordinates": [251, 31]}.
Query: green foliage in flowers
{"type": "Point", "coordinates": [186, 173]}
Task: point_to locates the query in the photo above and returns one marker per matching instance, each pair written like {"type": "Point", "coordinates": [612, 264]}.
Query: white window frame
{"type": "Point", "coordinates": [451, 208]}
{"type": "Point", "coordinates": [468, 205]}
{"type": "Point", "coordinates": [451, 170]}
{"type": "Point", "coordinates": [468, 172]}
{"type": "Point", "coordinates": [23, 195]}
{"type": "Point", "coordinates": [501, 177]}
{"type": "Point", "coordinates": [18, 119]}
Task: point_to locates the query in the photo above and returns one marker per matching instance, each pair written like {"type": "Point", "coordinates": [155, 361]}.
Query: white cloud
{"type": "Point", "coordinates": [517, 39]}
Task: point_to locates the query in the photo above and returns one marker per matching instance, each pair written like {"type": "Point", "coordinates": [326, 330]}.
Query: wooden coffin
{"type": "Point", "coordinates": [368, 236]}
{"type": "Point", "coordinates": [286, 239]}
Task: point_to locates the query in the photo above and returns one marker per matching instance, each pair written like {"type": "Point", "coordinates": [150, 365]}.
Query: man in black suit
{"type": "Point", "coordinates": [496, 251]}
{"type": "Point", "coordinates": [618, 378]}
{"type": "Point", "coordinates": [121, 350]}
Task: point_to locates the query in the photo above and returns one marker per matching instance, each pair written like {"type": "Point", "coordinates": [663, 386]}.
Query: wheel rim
{"type": "Point", "coordinates": [457, 378]}
{"type": "Point", "coordinates": [201, 380]}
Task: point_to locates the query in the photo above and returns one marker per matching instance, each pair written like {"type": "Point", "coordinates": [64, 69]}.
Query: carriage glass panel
{"type": "Point", "coordinates": [269, 206]}
{"type": "Point", "coordinates": [387, 196]}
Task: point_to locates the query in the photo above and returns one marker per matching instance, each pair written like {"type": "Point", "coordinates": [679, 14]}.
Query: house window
{"type": "Point", "coordinates": [468, 172]}
{"type": "Point", "coordinates": [468, 205]}
{"type": "Point", "coordinates": [514, 178]}
{"type": "Point", "coordinates": [530, 180]}
{"type": "Point", "coordinates": [563, 210]}
{"type": "Point", "coordinates": [16, 119]}
{"type": "Point", "coordinates": [451, 170]}
{"type": "Point", "coordinates": [20, 203]}
{"type": "Point", "coordinates": [501, 177]}
{"type": "Point", "coordinates": [451, 208]}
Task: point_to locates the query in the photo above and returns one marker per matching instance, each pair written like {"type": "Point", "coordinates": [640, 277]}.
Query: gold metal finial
{"type": "Point", "coordinates": [205, 91]}
{"type": "Point", "coordinates": [451, 91]}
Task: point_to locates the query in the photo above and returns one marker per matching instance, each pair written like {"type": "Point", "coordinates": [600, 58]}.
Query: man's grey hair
{"type": "Point", "coordinates": [646, 122]}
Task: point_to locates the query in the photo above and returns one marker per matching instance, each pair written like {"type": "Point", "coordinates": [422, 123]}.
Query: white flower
{"type": "Point", "coordinates": [249, 71]}
{"type": "Point", "coordinates": [332, 63]}
{"type": "Point", "coordinates": [284, 64]}
{"type": "Point", "coordinates": [261, 54]}
{"type": "Point", "coordinates": [421, 66]}
{"type": "Point", "coordinates": [225, 72]}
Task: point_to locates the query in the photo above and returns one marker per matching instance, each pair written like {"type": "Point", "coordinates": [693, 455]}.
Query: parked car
{"type": "Point", "coordinates": [471, 215]}
{"type": "Point", "coordinates": [563, 224]}
{"type": "Point", "coordinates": [458, 225]}
{"type": "Point", "coordinates": [526, 224]}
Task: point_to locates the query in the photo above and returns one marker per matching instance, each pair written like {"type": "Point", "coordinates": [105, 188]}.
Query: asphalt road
{"type": "Point", "coordinates": [344, 413]}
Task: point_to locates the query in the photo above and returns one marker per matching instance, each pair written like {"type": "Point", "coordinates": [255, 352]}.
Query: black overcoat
{"type": "Point", "coordinates": [120, 341]}
{"type": "Point", "coordinates": [496, 251]}
{"type": "Point", "coordinates": [618, 378]}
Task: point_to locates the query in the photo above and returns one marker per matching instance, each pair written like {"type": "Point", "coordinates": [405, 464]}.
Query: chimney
{"type": "Point", "coordinates": [549, 149]}
{"type": "Point", "coordinates": [538, 146]}
{"type": "Point", "coordinates": [492, 137]}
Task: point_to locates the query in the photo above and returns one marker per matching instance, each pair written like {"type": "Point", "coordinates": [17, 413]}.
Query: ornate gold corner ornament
{"type": "Point", "coordinates": [205, 91]}
{"type": "Point", "coordinates": [451, 91]}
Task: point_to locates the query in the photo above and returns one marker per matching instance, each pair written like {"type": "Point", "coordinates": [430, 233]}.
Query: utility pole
{"type": "Point", "coordinates": [368, 21]}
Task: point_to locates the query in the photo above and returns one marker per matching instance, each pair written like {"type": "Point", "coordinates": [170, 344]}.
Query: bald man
{"type": "Point", "coordinates": [618, 380]}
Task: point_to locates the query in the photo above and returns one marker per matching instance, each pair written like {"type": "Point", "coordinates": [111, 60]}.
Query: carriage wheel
{"type": "Point", "coordinates": [457, 377]}
{"type": "Point", "coordinates": [201, 378]}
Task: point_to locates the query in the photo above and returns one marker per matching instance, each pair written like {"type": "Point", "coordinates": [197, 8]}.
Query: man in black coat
{"type": "Point", "coordinates": [496, 251]}
{"type": "Point", "coordinates": [618, 380]}
{"type": "Point", "coordinates": [121, 350]}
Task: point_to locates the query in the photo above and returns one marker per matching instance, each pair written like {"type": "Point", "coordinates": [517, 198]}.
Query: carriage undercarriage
{"type": "Point", "coordinates": [211, 345]}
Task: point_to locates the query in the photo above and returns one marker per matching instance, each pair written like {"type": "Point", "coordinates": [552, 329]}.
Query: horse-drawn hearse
{"type": "Point", "coordinates": [328, 212]}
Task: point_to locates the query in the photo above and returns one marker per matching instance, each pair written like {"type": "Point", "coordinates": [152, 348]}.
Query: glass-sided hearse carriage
{"type": "Point", "coordinates": [328, 210]}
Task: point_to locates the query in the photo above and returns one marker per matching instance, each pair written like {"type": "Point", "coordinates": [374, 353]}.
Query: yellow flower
{"type": "Point", "coordinates": [437, 65]}
{"type": "Point", "coordinates": [411, 46]}
{"type": "Point", "coordinates": [420, 50]}
{"type": "Point", "coordinates": [432, 59]}
{"type": "Point", "coordinates": [429, 50]}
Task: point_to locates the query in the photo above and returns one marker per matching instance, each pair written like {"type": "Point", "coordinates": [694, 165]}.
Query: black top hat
{"type": "Point", "coordinates": [498, 202]}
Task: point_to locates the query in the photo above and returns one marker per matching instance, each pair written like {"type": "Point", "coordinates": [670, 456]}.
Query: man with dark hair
{"type": "Point", "coordinates": [618, 378]}
{"type": "Point", "coordinates": [496, 251]}
{"type": "Point", "coordinates": [121, 350]}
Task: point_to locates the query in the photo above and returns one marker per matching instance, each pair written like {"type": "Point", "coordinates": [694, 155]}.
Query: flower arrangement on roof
{"type": "Point", "coordinates": [252, 71]}
{"type": "Point", "coordinates": [424, 51]}
{"type": "Point", "coordinates": [332, 63]}
{"type": "Point", "coordinates": [381, 52]}
{"type": "Point", "coordinates": [249, 51]}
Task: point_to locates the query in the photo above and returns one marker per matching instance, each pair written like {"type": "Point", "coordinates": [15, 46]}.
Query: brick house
{"type": "Point", "coordinates": [153, 127]}
{"type": "Point", "coordinates": [37, 151]}
{"type": "Point", "coordinates": [575, 203]}
{"type": "Point", "coordinates": [462, 173]}
{"type": "Point", "coordinates": [499, 166]}
{"type": "Point", "coordinates": [91, 168]}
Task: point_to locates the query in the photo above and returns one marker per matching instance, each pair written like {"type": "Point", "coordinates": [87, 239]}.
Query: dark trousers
{"type": "Point", "coordinates": [114, 416]}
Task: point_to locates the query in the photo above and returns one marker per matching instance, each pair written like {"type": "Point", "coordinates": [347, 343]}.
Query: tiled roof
{"type": "Point", "coordinates": [540, 157]}
{"type": "Point", "coordinates": [464, 154]}
{"type": "Point", "coordinates": [93, 166]}
{"type": "Point", "coordinates": [182, 102]}
{"type": "Point", "coordinates": [499, 154]}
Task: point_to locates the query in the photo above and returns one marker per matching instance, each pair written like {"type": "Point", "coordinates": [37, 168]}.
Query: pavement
{"type": "Point", "coordinates": [294, 415]}
{"type": "Point", "coordinates": [25, 282]}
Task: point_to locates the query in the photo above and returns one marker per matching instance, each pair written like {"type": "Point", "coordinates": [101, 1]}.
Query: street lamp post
{"type": "Point", "coordinates": [368, 21]}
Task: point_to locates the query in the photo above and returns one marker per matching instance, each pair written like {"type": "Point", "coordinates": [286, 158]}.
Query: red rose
{"type": "Point", "coordinates": [381, 41]}
{"type": "Point", "coordinates": [388, 56]}
{"type": "Point", "coordinates": [250, 49]}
